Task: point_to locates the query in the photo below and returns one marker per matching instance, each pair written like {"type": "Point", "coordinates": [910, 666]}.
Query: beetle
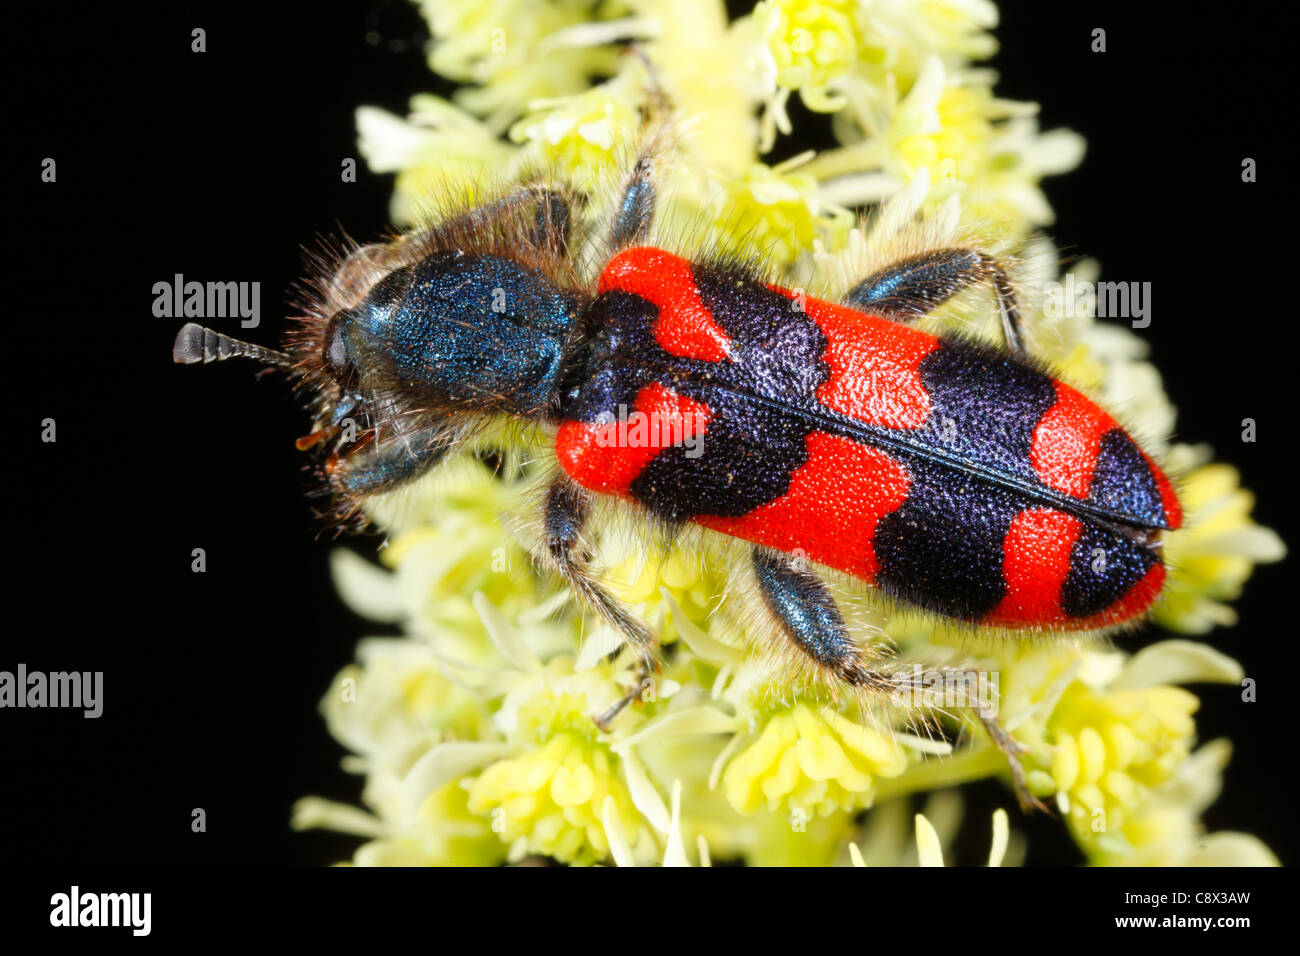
{"type": "Point", "coordinates": [956, 476]}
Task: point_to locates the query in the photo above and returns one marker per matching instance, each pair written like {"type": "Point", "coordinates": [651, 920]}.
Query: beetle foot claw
{"type": "Point", "coordinates": [1012, 750]}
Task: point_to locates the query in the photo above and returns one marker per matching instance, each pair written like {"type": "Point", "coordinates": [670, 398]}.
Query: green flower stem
{"type": "Point", "coordinates": [936, 773]}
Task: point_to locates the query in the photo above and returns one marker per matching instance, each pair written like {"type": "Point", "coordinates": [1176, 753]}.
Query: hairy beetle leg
{"type": "Point", "coordinates": [568, 506]}
{"type": "Point", "coordinates": [1011, 750]}
{"type": "Point", "coordinates": [642, 675]}
{"type": "Point", "coordinates": [636, 208]}
{"type": "Point", "coordinates": [552, 220]}
{"type": "Point", "coordinates": [398, 461]}
{"type": "Point", "coordinates": [920, 284]}
{"type": "Point", "coordinates": [806, 612]}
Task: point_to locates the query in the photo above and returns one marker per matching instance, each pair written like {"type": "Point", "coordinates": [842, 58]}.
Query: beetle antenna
{"type": "Point", "coordinates": [194, 344]}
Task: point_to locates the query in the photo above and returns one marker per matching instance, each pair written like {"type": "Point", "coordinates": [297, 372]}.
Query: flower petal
{"type": "Point", "coordinates": [928, 849]}
{"type": "Point", "coordinates": [1178, 662]}
{"type": "Point", "coordinates": [443, 764]}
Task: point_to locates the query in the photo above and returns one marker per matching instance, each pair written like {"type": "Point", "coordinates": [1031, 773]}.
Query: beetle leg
{"type": "Point", "coordinates": [1011, 750]}
{"type": "Point", "coordinates": [397, 461]}
{"type": "Point", "coordinates": [807, 614]}
{"type": "Point", "coordinates": [552, 218]}
{"type": "Point", "coordinates": [919, 284]}
{"type": "Point", "coordinates": [636, 209]}
{"type": "Point", "coordinates": [552, 221]}
{"type": "Point", "coordinates": [567, 508]}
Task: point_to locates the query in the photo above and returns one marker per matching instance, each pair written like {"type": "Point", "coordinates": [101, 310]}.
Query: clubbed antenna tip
{"type": "Point", "coordinates": [196, 344]}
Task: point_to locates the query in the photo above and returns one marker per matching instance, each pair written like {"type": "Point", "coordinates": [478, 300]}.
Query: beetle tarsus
{"type": "Point", "coordinates": [1012, 750]}
{"type": "Point", "coordinates": [604, 720]}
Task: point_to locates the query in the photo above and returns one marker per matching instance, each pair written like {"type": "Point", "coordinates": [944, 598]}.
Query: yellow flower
{"type": "Point", "coordinates": [586, 135]}
{"type": "Point", "coordinates": [1215, 551]}
{"type": "Point", "coordinates": [448, 543]}
{"type": "Point", "coordinates": [390, 710]}
{"type": "Point", "coordinates": [953, 142]}
{"type": "Point", "coordinates": [442, 832]}
{"type": "Point", "coordinates": [639, 578]}
{"type": "Point", "coordinates": [811, 763]}
{"type": "Point", "coordinates": [1111, 739]}
{"type": "Point", "coordinates": [790, 839]}
{"type": "Point", "coordinates": [703, 63]}
{"type": "Point", "coordinates": [551, 799]}
{"type": "Point", "coordinates": [396, 695]}
{"type": "Point", "coordinates": [1167, 831]}
{"type": "Point", "coordinates": [966, 141]}
{"type": "Point", "coordinates": [898, 35]}
{"type": "Point", "coordinates": [775, 212]}
{"type": "Point", "coordinates": [440, 153]}
{"type": "Point", "coordinates": [976, 145]}
{"type": "Point", "coordinates": [513, 51]}
{"type": "Point", "coordinates": [809, 44]}
{"type": "Point", "coordinates": [1109, 749]}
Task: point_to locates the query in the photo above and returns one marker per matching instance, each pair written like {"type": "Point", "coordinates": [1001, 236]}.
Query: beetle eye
{"type": "Point", "coordinates": [335, 352]}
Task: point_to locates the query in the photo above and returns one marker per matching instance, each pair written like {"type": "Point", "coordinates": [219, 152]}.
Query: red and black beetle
{"type": "Point", "coordinates": [957, 477]}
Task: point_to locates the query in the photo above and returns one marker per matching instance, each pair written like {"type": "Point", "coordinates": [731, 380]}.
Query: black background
{"type": "Point", "coordinates": [221, 165]}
